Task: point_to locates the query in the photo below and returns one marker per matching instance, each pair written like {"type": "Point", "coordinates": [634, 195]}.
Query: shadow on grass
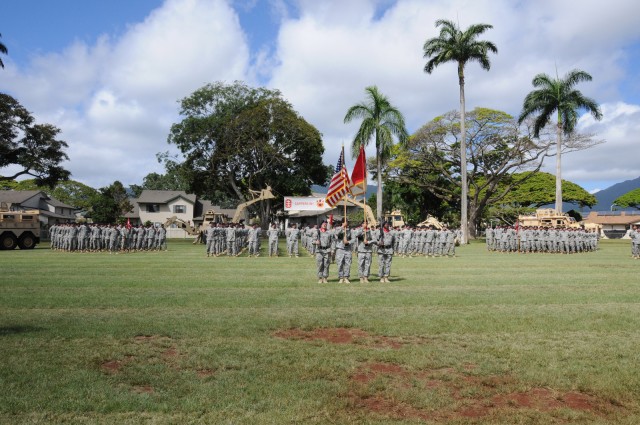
{"type": "Point", "coordinates": [19, 329]}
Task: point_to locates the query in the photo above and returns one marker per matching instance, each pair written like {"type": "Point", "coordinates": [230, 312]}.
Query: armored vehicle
{"type": "Point", "coordinates": [19, 228]}
{"type": "Point", "coordinates": [548, 217]}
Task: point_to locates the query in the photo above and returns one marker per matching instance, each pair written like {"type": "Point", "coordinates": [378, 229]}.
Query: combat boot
{"type": "Point", "coordinates": [346, 280]}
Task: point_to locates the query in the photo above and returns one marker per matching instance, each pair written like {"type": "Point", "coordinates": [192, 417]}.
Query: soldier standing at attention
{"type": "Point", "coordinates": [151, 237]}
{"type": "Point", "coordinates": [343, 252]}
{"type": "Point", "coordinates": [231, 240]}
{"type": "Point", "coordinates": [292, 240]}
{"type": "Point", "coordinates": [161, 238]}
{"type": "Point", "coordinates": [385, 252]}
{"type": "Point", "coordinates": [272, 234]}
{"type": "Point", "coordinates": [365, 243]}
{"type": "Point", "coordinates": [323, 247]}
{"type": "Point", "coordinates": [209, 235]}
{"type": "Point", "coordinates": [253, 239]}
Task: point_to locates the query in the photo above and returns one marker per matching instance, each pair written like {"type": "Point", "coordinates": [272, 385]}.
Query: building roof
{"type": "Point", "coordinates": [613, 217]}
{"type": "Point", "coordinates": [55, 203]}
{"type": "Point", "coordinates": [17, 197]}
{"type": "Point", "coordinates": [163, 196]}
{"type": "Point", "coordinates": [135, 213]}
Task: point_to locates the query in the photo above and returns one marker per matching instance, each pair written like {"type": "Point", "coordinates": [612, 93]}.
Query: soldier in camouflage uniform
{"type": "Point", "coordinates": [292, 241]}
{"type": "Point", "coordinates": [272, 234]}
{"type": "Point", "coordinates": [253, 238]}
{"type": "Point", "coordinates": [386, 242]}
{"type": "Point", "coordinates": [343, 252]}
{"type": "Point", "coordinates": [364, 246]}
{"type": "Point", "coordinates": [323, 239]}
{"type": "Point", "coordinates": [209, 236]}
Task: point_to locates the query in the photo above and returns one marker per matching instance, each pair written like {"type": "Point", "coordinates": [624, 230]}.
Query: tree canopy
{"type": "Point", "coordinates": [539, 189]}
{"type": "Point", "coordinates": [236, 138]}
{"type": "Point", "coordinates": [70, 192]}
{"type": "Point", "coordinates": [629, 200]}
{"type": "Point", "coordinates": [33, 149]}
{"type": "Point", "coordinates": [110, 204]}
{"type": "Point", "coordinates": [496, 148]}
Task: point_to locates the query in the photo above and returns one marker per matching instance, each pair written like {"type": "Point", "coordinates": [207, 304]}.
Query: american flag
{"type": "Point", "coordinates": [340, 183]}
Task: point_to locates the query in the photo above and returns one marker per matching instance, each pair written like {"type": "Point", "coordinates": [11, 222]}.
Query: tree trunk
{"type": "Point", "coordinates": [464, 221]}
{"type": "Point", "coordinates": [379, 178]}
{"type": "Point", "coordinates": [559, 169]}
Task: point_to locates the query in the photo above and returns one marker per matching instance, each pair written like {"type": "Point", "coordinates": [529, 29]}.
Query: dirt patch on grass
{"type": "Point", "coordinates": [144, 351]}
{"type": "Point", "coordinates": [393, 391]}
{"type": "Point", "coordinates": [111, 366]}
{"type": "Point", "coordinates": [341, 336]}
{"type": "Point", "coordinates": [205, 373]}
{"type": "Point", "coordinates": [142, 389]}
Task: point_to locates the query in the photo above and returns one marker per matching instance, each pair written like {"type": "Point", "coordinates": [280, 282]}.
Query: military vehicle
{"type": "Point", "coordinates": [548, 217]}
{"type": "Point", "coordinates": [19, 228]}
{"type": "Point", "coordinates": [394, 218]}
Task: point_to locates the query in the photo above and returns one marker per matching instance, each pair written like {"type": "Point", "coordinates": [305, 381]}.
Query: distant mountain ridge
{"type": "Point", "coordinates": [607, 196]}
{"type": "Point", "coordinates": [371, 189]}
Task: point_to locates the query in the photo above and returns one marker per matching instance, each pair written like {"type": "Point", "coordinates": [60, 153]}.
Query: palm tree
{"type": "Point", "coordinates": [455, 45]}
{"type": "Point", "coordinates": [558, 95]}
{"type": "Point", "coordinates": [3, 50]}
{"type": "Point", "coordinates": [381, 121]}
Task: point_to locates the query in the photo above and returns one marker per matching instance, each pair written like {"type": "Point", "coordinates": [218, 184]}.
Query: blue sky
{"type": "Point", "coordinates": [110, 73]}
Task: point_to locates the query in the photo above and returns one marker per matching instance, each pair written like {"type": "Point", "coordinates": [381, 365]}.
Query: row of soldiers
{"type": "Point", "coordinates": [112, 238]}
{"type": "Point", "coordinates": [408, 241]}
{"type": "Point", "coordinates": [530, 239]}
{"type": "Point", "coordinates": [231, 239]}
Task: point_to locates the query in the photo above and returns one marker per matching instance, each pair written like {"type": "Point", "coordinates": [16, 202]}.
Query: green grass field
{"type": "Point", "coordinates": [175, 338]}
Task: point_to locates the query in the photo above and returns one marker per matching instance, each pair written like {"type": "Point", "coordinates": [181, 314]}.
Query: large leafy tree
{"type": "Point", "coordinates": [236, 138]}
{"type": "Point", "coordinates": [32, 149]}
{"type": "Point", "coordinates": [497, 147]}
{"type": "Point", "coordinates": [381, 122]}
{"type": "Point", "coordinates": [176, 177]}
{"type": "Point", "coordinates": [534, 191]}
{"type": "Point", "coordinates": [110, 204]}
{"type": "Point", "coordinates": [629, 199]}
{"type": "Point", "coordinates": [539, 189]}
{"type": "Point", "coordinates": [461, 47]}
{"type": "Point", "coordinates": [558, 96]}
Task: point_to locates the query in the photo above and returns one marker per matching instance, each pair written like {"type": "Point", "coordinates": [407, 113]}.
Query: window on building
{"type": "Point", "coordinates": [179, 209]}
{"type": "Point", "coordinates": [153, 208]}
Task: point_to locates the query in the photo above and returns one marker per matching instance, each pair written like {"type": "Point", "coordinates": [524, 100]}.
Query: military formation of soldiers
{"type": "Point", "coordinates": [111, 238]}
{"type": "Point", "coordinates": [531, 239]}
{"type": "Point", "coordinates": [232, 239]}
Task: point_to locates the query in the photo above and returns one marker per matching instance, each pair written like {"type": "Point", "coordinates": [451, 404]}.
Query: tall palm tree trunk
{"type": "Point", "coordinates": [464, 222]}
{"type": "Point", "coordinates": [559, 169]}
{"type": "Point", "coordinates": [379, 177]}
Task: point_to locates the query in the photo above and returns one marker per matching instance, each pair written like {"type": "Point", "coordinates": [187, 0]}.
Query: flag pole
{"type": "Point", "coordinates": [344, 196]}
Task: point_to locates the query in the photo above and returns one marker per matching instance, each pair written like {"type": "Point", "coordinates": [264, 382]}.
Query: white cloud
{"type": "Point", "coordinates": [115, 100]}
